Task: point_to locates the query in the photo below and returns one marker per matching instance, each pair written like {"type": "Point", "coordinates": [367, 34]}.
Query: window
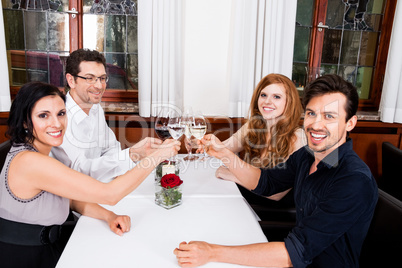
{"type": "Point", "coordinates": [40, 35]}
{"type": "Point", "coordinates": [346, 37]}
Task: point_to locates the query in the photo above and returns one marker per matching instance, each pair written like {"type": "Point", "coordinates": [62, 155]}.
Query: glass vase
{"type": "Point", "coordinates": [168, 197]}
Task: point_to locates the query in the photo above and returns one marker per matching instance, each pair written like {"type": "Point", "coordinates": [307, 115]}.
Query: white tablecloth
{"type": "Point", "coordinates": [156, 232]}
{"type": "Point", "coordinates": [198, 180]}
{"type": "Point", "coordinates": [213, 210]}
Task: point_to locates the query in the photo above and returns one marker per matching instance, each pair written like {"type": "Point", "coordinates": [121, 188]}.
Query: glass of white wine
{"type": "Point", "coordinates": [175, 125]}
{"type": "Point", "coordinates": [187, 120]}
{"type": "Point", "coordinates": [198, 129]}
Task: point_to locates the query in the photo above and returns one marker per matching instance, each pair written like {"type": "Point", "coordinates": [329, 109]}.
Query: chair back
{"type": "Point", "coordinates": [4, 149]}
{"type": "Point", "coordinates": [391, 181]}
{"type": "Point", "coordinates": [383, 242]}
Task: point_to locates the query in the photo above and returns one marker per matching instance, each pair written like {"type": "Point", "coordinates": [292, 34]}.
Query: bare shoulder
{"type": "Point", "coordinates": [242, 132]}
{"type": "Point", "coordinates": [235, 142]}
{"type": "Point", "coordinates": [28, 169]}
{"type": "Point", "coordinates": [32, 156]}
{"type": "Point", "coordinates": [300, 139]}
{"type": "Point", "coordinates": [31, 161]}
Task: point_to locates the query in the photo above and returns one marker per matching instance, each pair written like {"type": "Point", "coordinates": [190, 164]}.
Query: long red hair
{"type": "Point", "coordinates": [282, 135]}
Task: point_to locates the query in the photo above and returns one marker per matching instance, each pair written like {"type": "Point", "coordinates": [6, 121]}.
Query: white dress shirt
{"type": "Point", "coordinates": [90, 146]}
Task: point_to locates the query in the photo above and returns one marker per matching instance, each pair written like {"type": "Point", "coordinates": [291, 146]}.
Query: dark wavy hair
{"type": "Point", "coordinates": [20, 127]}
{"type": "Point", "coordinates": [76, 57]}
{"type": "Point", "coordinates": [332, 83]}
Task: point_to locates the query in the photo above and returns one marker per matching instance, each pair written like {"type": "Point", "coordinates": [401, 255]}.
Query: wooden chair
{"type": "Point", "coordinates": [391, 181]}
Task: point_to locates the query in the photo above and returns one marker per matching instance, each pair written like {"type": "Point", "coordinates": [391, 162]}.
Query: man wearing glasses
{"type": "Point", "coordinates": [89, 145]}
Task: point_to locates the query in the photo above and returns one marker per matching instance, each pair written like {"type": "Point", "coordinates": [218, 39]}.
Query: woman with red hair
{"type": "Point", "coordinates": [272, 132]}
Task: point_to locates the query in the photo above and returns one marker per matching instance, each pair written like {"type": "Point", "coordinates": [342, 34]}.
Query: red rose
{"type": "Point", "coordinates": [170, 181]}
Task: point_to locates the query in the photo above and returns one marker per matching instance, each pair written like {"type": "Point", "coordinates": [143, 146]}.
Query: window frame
{"type": "Point", "coordinates": [314, 61]}
{"type": "Point", "coordinates": [76, 42]}
{"type": "Point", "coordinates": [76, 30]}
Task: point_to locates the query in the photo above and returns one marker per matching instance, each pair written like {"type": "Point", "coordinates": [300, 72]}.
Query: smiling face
{"type": "Point", "coordinates": [272, 101]}
{"type": "Point", "coordinates": [84, 94]}
{"type": "Point", "coordinates": [49, 121]}
{"type": "Point", "coordinates": [325, 123]}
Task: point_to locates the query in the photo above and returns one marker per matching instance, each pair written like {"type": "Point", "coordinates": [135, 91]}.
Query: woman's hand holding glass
{"type": "Point", "coordinates": [198, 129]}
{"type": "Point", "coordinates": [168, 149]}
{"type": "Point", "coordinates": [214, 147]}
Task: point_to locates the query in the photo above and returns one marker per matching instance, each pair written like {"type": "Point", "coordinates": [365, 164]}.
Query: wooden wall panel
{"type": "Point", "coordinates": [369, 148]}
{"type": "Point", "coordinates": [3, 129]}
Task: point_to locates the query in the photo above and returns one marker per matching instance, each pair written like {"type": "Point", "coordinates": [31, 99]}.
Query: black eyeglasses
{"type": "Point", "coordinates": [91, 79]}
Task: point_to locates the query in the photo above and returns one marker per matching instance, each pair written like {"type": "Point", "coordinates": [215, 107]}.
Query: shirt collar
{"type": "Point", "coordinates": [332, 159]}
{"type": "Point", "coordinates": [75, 110]}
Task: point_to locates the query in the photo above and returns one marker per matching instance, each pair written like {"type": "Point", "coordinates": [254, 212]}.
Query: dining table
{"type": "Point", "coordinates": [212, 210]}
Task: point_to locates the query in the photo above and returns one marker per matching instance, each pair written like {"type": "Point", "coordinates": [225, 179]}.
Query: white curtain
{"type": "Point", "coordinates": [160, 55]}
{"type": "Point", "coordinates": [262, 43]}
{"type": "Point", "coordinates": [5, 99]}
{"type": "Point", "coordinates": [391, 98]}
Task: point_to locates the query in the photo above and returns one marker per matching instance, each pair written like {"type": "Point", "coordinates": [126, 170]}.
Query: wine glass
{"type": "Point", "coordinates": [175, 126]}
{"type": "Point", "coordinates": [161, 124]}
{"type": "Point", "coordinates": [187, 120]}
{"type": "Point", "coordinates": [198, 129]}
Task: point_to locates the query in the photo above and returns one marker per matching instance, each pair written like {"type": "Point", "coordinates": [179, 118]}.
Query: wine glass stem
{"type": "Point", "coordinates": [175, 156]}
{"type": "Point", "coordinates": [188, 147]}
{"type": "Point", "coordinates": [205, 153]}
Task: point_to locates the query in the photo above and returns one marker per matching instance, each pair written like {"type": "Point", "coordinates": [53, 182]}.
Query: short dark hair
{"type": "Point", "coordinates": [20, 127]}
{"type": "Point", "coordinates": [76, 57]}
{"type": "Point", "coordinates": [332, 83]}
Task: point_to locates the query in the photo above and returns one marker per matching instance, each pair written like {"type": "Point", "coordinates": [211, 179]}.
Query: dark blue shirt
{"type": "Point", "coordinates": [334, 205]}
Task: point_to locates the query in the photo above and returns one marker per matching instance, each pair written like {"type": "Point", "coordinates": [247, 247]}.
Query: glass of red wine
{"type": "Point", "coordinates": [161, 124]}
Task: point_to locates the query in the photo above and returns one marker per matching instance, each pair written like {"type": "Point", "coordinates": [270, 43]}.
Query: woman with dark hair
{"type": "Point", "coordinates": [272, 132]}
{"type": "Point", "coordinates": [37, 191]}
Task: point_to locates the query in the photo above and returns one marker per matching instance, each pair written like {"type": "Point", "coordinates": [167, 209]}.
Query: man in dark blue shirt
{"type": "Point", "coordinates": [335, 192]}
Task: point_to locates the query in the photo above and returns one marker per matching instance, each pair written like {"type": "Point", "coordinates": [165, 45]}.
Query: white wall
{"type": "Point", "coordinates": [206, 43]}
